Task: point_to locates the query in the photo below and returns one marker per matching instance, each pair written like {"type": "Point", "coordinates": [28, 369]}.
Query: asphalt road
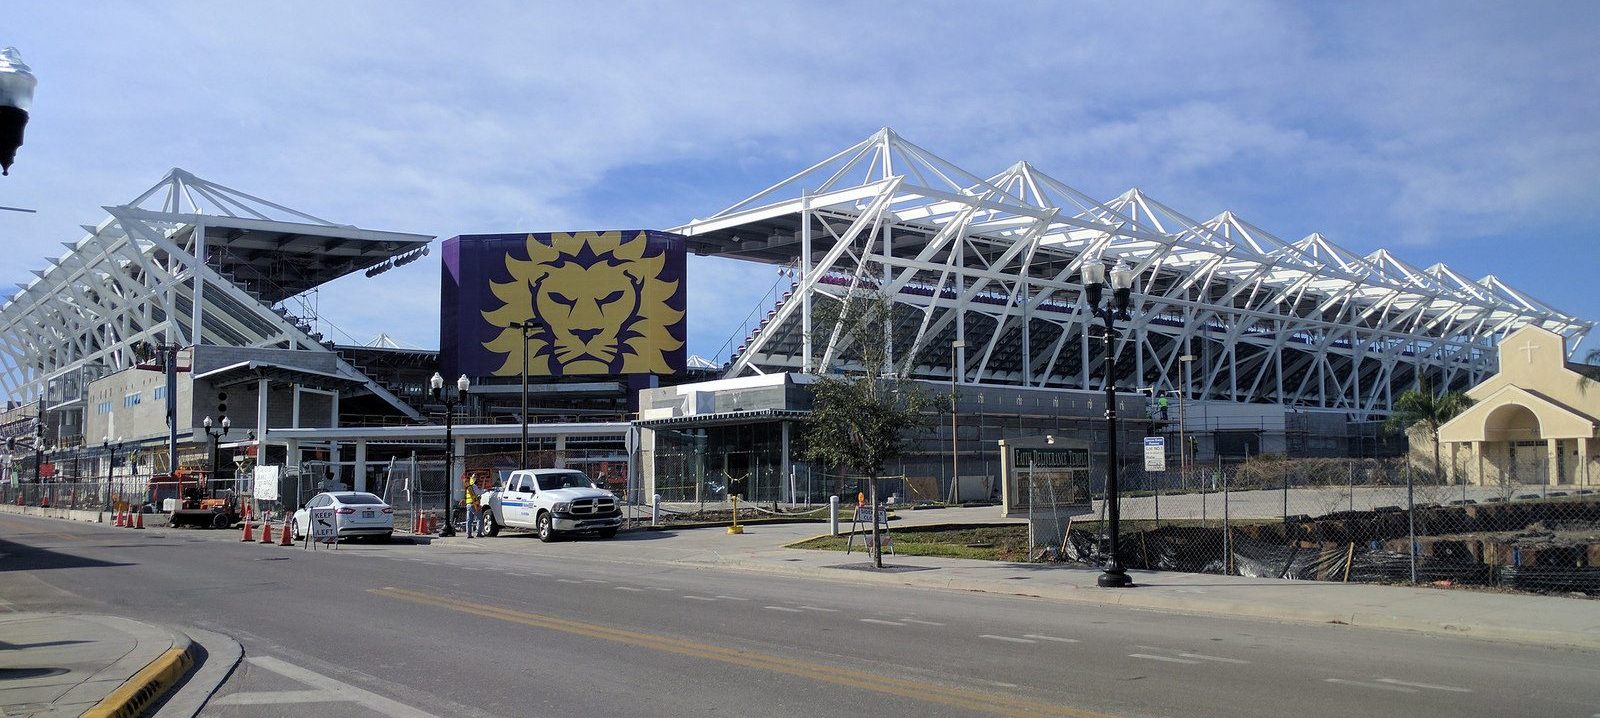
{"type": "Point", "coordinates": [417, 630]}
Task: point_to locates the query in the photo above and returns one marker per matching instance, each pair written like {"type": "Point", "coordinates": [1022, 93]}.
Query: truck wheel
{"type": "Point", "coordinates": [608, 533]}
{"type": "Point", "coordinates": [547, 531]}
{"type": "Point", "coordinates": [490, 528]}
{"type": "Point", "coordinates": [219, 521]}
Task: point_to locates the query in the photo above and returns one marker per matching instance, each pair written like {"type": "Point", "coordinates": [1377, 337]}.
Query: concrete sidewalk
{"type": "Point", "coordinates": [56, 664]}
{"type": "Point", "coordinates": [1521, 618]}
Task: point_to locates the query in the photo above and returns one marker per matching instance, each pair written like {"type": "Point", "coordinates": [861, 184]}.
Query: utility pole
{"type": "Point", "coordinates": [955, 461]}
{"type": "Point", "coordinates": [1183, 446]}
{"type": "Point", "coordinates": [527, 328]}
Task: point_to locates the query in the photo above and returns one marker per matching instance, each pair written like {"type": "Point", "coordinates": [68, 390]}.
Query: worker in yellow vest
{"type": "Point", "coordinates": [474, 516]}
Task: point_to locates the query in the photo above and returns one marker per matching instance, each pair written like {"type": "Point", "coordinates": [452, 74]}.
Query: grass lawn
{"type": "Point", "coordinates": [1006, 542]}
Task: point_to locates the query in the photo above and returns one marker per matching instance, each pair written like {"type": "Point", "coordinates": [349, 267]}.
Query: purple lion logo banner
{"type": "Point", "coordinates": [605, 303]}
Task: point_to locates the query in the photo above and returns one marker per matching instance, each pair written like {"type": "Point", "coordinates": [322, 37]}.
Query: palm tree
{"type": "Point", "coordinates": [1431, 410]}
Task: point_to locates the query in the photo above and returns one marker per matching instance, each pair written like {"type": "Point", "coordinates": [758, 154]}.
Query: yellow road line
{"type": "Point", "coordinates": [916, 690]}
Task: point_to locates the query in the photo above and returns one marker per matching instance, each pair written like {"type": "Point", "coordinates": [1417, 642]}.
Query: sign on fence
{"type": "Point", "coordinates": [1155, 453]}
{"type": "Point", "coordinates": [267, 483]}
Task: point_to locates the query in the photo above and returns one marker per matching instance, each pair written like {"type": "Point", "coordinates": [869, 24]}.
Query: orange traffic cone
{"type": "Point", "coordinates": [266, 532]}
{"type": "Point", "coordinates": [287, 540]}
{"type": "Point", "coordinates": [140, 525]}
{"type": "Point", "coordinates": [248, 534]}
{"type": "Point", "coordinates": [120, 523]}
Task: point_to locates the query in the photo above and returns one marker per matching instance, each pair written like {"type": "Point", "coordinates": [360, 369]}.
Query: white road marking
{"type": "Point", "coordinates": [658, 588]}
{"type": "Point", "coordinates": [594, 580]}
{"type": "Point", "coordinates": [1430, 686]}
{"type": "Point", "coordinates": [346, 691]}
{"type": "Point", "coordinates": [785, 609]}
{"type": "Point", "coordinates": [882, 622]}
{"type": "Point", "coordinates": [262, 698]}
{"type": "Point", "coordinates": [628, 588]}
{"type": "Point", "coordinates": [518, 575]}
{"type": "Point", "coordinates": [566, 580]}
{"type": "Point", "coordinates": [819, 608]}
{"type": "Point", "coordinates": [1218, 659]}
{"type": "Point", "coordinates": [921, 622]}
{"type": "Point", "coordinates": [731, 598]}
{"type": "Point", "coordinates": [700, 598]}
{"type": "Point", "coordinates": [1168, 659]}
{"type": "Point", "coordinates": [470, 568]}
{"type": "Point", "coordinates": [1379, 686]}
{"type": "Point", "coordinates": [1057, 639]}
{"type": "Point", "coordinates": [1008, 639]}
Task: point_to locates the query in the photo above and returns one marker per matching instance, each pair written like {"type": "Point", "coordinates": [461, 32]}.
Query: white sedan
{"type": "Point", "coordinates": [355, 513]}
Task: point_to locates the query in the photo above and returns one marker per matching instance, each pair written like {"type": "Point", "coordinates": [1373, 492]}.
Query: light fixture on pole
{"type": "Point", "coordinates": [16, 99]}
{"type": "Point", "coordinates": [955, 463]}
{"type": "Point", "coordinates": [1094, 281]}
{"type": "Point", "coordinates": [437, 385]}
{"type": "Point", "coordinates": [528, 328]}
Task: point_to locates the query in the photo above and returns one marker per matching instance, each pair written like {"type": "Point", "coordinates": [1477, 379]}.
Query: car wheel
{"type": "Point", "coordinates": [490, 528]}
{"type": "Point", "coordinates": [547, 531]}
{"type": "Point", "coordinates": [385, 538]}
{"type": "Point", "coordinates": [294, 528]}
{"type": "Point", "coordinates": [219, 521]}
{"type": "Point", "coordinates": [608, 533]}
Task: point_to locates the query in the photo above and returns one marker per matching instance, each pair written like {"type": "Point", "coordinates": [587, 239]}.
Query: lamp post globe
{"type": "Point", "coordinates": [16, 99]}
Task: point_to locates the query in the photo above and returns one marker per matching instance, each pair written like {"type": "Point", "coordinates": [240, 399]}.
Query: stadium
{"type": "Point", "coordinates": [1265, 345]}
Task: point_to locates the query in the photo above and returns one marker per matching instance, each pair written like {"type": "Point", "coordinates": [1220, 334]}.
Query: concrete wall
{"type": "Point", "coordinates": [145, 420]}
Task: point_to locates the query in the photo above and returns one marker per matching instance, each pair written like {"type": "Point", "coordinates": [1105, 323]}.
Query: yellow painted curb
{"type": "Point", "coordinates": [139, 692]}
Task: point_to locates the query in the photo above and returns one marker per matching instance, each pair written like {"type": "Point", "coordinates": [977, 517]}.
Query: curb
{"type": "Point", "coordinates": [1188, 605]}
{"type": "Point", "coordinates": [149, 684]}
{"type": "Point", "coordinates": [219, 656]}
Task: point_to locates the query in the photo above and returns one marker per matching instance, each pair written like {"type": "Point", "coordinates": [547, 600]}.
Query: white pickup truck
{"type": "Point", "coordinates": [551, 502]}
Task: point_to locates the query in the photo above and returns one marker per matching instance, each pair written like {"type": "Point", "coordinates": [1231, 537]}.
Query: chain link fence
{"type": "Point", "coordinates": [1373, 521]}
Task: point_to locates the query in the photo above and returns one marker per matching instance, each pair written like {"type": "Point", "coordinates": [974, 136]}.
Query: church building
{"type": "Point", "coordinates": [1533, 422]}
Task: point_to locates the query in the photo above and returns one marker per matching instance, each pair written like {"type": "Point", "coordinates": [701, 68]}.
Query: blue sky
{"type": "Point", "coordinates": [1453, 131]}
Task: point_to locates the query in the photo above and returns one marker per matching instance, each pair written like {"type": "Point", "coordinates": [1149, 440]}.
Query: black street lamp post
{"type": "Point", "coordinates": [1094, 281]}
{"type": "Point", "coordinates": [437, 385]}
{"type": "Point", "coordinates": [216, 436]}
{"type": "Point", "coordinates": [528, 328]}
{"type": "Point", "coordinates": [111, 448]}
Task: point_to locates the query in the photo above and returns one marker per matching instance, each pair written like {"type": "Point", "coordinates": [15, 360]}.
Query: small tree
{"type": "Point", "coordinates": [1431, 411]}
{"type": "Point", "coordinates": [860, 418]}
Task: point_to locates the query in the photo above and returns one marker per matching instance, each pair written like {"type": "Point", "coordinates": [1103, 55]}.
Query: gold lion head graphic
{"type": "Point", "coordinates": [604, 307]}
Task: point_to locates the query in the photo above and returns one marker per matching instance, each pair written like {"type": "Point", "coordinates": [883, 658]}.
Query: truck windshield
{"type": "Point", "coordinates": [564, 480]}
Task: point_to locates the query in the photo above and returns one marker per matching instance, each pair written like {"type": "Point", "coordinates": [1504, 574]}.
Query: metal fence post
{"type": "Point", "coordinates": [655, 510]}
{"type": "Point", "coordinates": [1227, 527]}
{"type": "Point", "coordinates": [1350, 471]}
{"type": "Point", "coordinates": [1411, 521]}
{"type": "Point", "coordinates": [1286, 492]}
{"type": "Point", "coordinates": [1158, 500]}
